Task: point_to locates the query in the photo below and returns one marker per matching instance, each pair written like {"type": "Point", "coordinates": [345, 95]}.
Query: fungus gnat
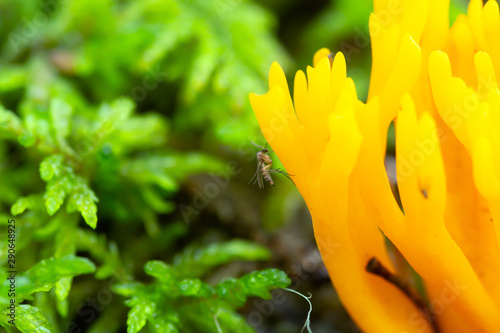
{"type": "Point", "coordinates": [264, 170]}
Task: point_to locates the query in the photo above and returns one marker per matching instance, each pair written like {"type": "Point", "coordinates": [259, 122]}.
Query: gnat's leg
{"type": "Point", "coordinates": [284, 173]}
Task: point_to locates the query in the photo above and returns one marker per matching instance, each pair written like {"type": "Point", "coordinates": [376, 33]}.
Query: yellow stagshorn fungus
{"type": "Point", "coordinates": [439, 85]}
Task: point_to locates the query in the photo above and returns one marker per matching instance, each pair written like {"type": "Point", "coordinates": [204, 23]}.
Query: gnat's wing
{"type": "Point", "coordinates": [284, 173]}
{"type": "Point", "coordinates": [259, 179]}
{"type": "Point", "coordinates": [256, 173]}
{"type": "Point", "coordinates": [258, 176]}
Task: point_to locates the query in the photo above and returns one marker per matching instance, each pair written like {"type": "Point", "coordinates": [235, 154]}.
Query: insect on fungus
{"type": "Point", "coordinates": [264, 170]}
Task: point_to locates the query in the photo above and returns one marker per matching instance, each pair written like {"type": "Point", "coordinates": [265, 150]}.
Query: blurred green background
{"type": "Point", "coordinates": [132, 116]}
